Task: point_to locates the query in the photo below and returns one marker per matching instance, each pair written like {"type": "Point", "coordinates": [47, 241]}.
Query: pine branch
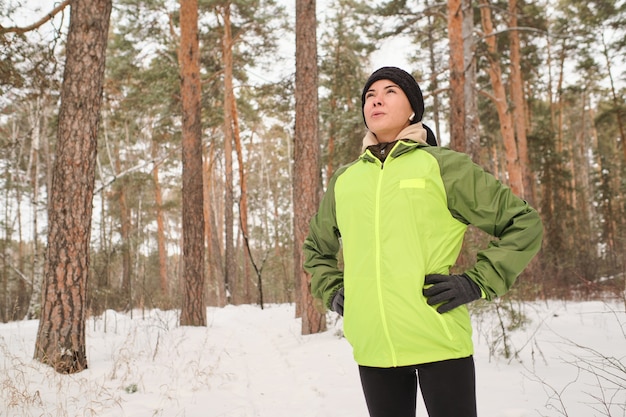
{"type": "Point", "coordinates": [21, 30]}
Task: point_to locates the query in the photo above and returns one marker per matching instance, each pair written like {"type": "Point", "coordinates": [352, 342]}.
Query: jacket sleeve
{"type": "Point", "coordinates": [321, 248]}
{"type": "Point", "coordinates": [476, 197]}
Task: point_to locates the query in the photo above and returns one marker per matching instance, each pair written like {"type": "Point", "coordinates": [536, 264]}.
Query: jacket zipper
{"type": "Point", "coordinates": [378, 267]}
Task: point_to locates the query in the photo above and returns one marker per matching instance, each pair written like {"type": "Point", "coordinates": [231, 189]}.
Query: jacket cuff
{"type": "Point", "coordinates": [329, 302]}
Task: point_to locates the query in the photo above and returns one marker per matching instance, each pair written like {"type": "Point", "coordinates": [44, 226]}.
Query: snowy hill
{"type": "Point", "coordinates": [566, 359]}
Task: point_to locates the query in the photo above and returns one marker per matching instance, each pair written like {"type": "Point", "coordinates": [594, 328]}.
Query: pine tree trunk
{"type": "Point", "coordinates": [4, 251]}
{"type": "Point", "coordinates": [519, 105]}
{"type": "Point", "coordinates": [513, 167]}
{"type": "Point", "coordinates": [39, 126]}
{"type": "Point", "coordinates": [306, 176]}
{"type": "Point", "coordinates": [124, 230]}
{"type": "Point", "coordinates": [161, 246]}
{"type": "Point", "coordinates": [457, 76]}
{"type": "Point", "coordinates": [618, 101]}
{"type": "Point", "coordinates": [39, 249]}
{"type": "Point", "coordinates": [471, 131]}
{"type": "Point", "coordinates": [433, 87]}
{"type": "Point", "coordinates": [581, 175]}
{"type": "Point", "coordinates": [193, 312]}
{"type": "Point", "coordinates": [217, 292]}
{"type": "Point", "coordinates": [212, 284]}
{"type": "Point", "coordinates": [230, 270]}
{"type": "Point", "coordinates": [243, 195]}
{"type": "Point", "coordinates": [61, 335]}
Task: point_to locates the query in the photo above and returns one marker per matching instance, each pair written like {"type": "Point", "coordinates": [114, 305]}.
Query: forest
{"type": "Point", "coordinates": [140, 173]}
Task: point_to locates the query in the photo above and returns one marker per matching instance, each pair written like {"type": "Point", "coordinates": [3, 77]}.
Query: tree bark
{"type": "Point", "coordinates": [471, 130]}
{"type": "Point", "coordinates": [193, 312]}
{"type": "Point", "coordinates": [230, 270]}
{"type": "Point", "coordinates": [217, 294]}
{"type": "Point", "coordinates": [39, 126]}
{"type": "Point", "coordinates": [243, 182]}
{"type": "Point", "coordinates": [61, 335]}
{"type": "Point", "coordinates": [519, 105]}
{"type": "Point", "coordinates": [160, 218]}
{"type": "Point", "coordinates": [124, 230]}
{"type": "Point", "coordinates": [617, 100]}
{"type": "Point", "coordinates": [457, 76]}
{"type": "Point", "coordinates": [513, 167]}
{"type": "Point", "coordinates": [307, 178]}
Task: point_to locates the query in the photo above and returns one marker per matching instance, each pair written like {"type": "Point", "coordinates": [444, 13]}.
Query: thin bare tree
{"type": "Point", "coordinates": [230, 267]}
{"type": "Point", "coordinates": [160, 218]}
{"type": "Point", "coordinates": [457, 75]}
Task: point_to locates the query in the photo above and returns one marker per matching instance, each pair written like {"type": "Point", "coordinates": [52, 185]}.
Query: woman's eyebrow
{"type": "Point", "coordinates": [384, 88]}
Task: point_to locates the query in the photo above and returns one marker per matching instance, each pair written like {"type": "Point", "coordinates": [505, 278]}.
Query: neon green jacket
{"type": "Point", "coordinates": [399, 221]}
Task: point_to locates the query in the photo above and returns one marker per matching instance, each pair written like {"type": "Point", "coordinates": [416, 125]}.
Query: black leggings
{"type": "Point", "coordinates": [448, 388]}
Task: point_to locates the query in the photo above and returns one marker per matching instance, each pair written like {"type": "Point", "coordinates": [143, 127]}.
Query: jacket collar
{"type": "Point", "coordinates": [400, 147]}
{"type": "Point", "coordinates": [414, 132]}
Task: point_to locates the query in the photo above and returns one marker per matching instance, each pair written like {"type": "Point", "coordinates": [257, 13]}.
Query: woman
{"type": "Point", "coordinates": [399, 214]}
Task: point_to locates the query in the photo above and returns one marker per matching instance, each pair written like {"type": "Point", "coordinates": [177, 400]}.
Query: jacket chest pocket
{"type": "Point", "coordinates": [413, 183]}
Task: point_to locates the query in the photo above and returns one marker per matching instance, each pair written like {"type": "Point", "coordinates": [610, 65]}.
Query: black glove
{"type": "Point", "coordinates": [337, 303]}
{"type": "Point", "coordinates": [451, 290]}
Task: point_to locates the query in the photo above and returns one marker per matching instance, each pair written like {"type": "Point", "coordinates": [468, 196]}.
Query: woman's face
{"type": "Point", "coordinates": [386, 110]}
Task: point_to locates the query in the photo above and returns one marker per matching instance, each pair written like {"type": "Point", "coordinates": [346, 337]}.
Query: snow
{"type": "Point", "coordinates": [569, 359]}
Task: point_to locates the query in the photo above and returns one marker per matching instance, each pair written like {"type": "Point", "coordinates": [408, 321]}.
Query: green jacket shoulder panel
{"type": "Point", "coordinates": [476, 197]}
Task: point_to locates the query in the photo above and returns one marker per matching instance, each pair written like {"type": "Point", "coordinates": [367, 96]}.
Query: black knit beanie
{"type": "Point", "coordinates": [405, 81]}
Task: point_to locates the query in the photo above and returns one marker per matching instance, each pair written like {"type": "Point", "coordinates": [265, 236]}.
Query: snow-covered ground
{"type": "Point", "coordinates": [569, 359]}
